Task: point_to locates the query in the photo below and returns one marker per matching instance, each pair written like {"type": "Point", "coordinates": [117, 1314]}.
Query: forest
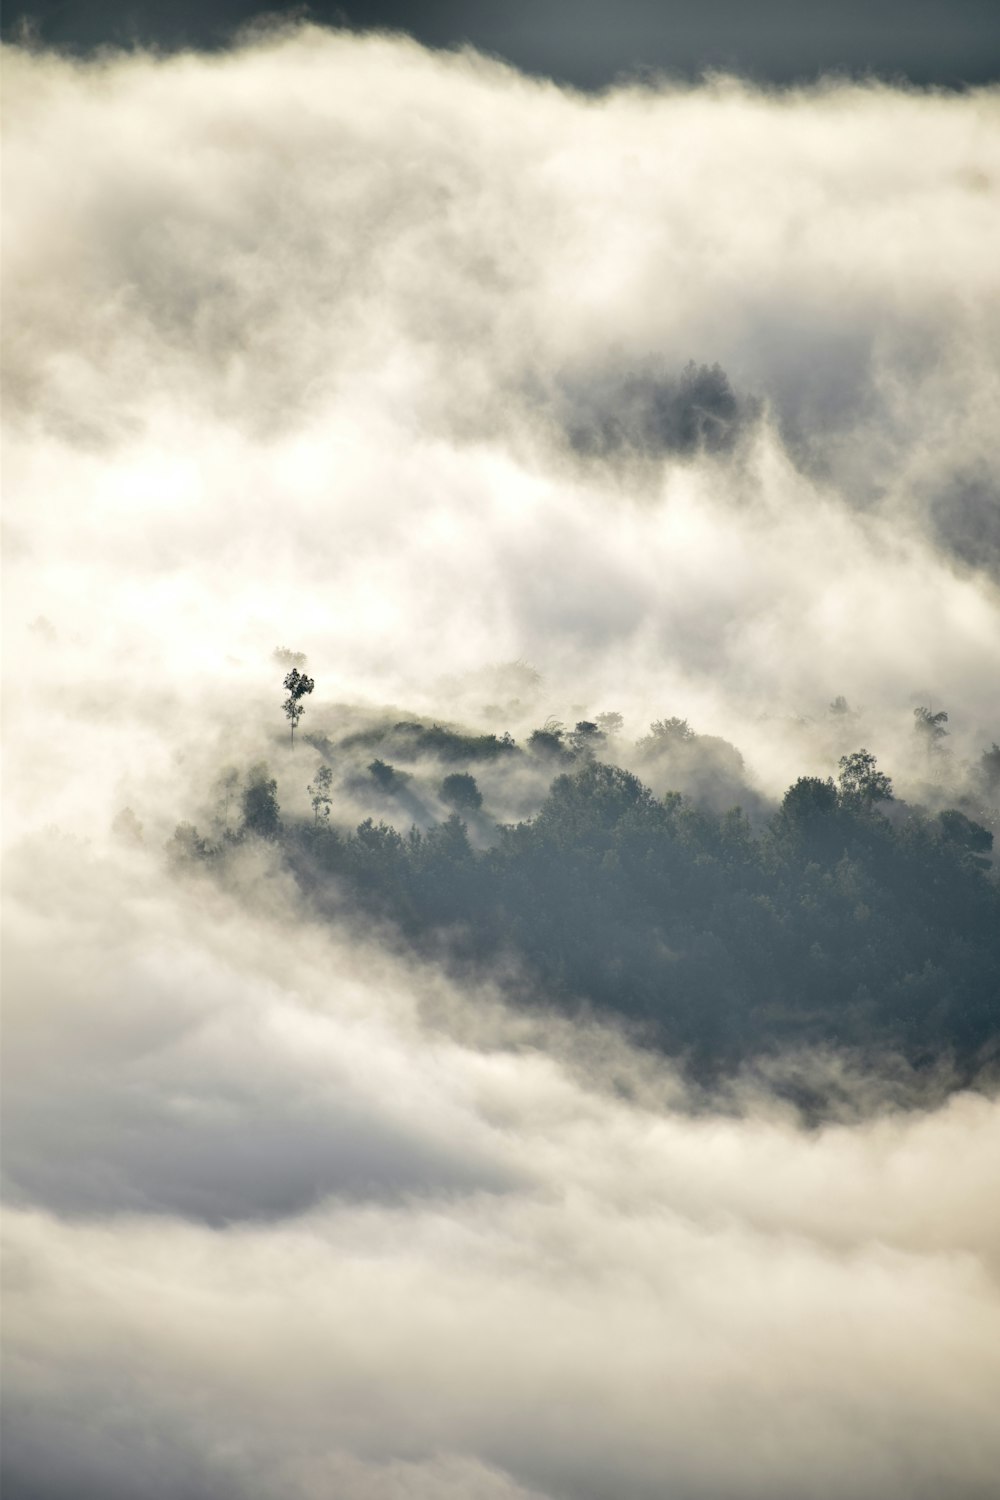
{"type": "Point", "coordinates": [719, 928]}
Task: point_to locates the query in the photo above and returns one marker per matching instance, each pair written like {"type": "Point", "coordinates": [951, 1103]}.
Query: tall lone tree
{"type": "Point", "coordinates": [297, 685]}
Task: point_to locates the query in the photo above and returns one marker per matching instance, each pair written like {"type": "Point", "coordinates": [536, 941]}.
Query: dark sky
{"type": "Point", "coordinates": [589, 42]}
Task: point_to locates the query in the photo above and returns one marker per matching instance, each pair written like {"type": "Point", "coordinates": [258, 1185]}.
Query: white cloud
{"type": "Point", "coordinates": [296, 338]}
{"type": "Point", "coordinates": [288, 1220]}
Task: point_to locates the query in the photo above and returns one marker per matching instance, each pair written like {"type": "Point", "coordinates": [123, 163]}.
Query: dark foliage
{"type": "Point", "coordinates": [459, 790]}
{"type": "Point", "coordinates": [989, 770]}
{"type": "Point", "coordinates": [386, 777]}
{"type": "Point", "coordinates": [298, 686]}
{"type": "Point", "coordinates": [930, 727]}
{"type": "Point", "coordinates": [260, 804]}
{"type": "Point", "coordinates": [833, 925]}
{"type": "Point", "coordinates": [654, 412]}
{"type": "Point", "coordinates": [411, 741]}
{"type": "Point", "coordinates": [550, 743]}
{"type": "Point", "coordinates": [319, 790]}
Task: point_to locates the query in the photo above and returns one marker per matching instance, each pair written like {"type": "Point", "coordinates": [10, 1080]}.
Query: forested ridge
{"type": "Point", "coordinates": [843, 918]}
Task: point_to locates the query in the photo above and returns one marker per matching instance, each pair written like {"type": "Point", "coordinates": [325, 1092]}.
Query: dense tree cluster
{"type": "Point", "coordinates": [409, 740]}
{"type": "Point", "coordinates": [656, 411]}
{"type": "Point", "coordinates": [847, 920]}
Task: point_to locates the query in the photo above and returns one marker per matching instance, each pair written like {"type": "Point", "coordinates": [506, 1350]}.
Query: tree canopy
{"type": "Point", "coordinates": [829, 925]}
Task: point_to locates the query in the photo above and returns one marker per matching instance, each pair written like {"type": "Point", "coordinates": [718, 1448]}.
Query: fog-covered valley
{"type": "Point", "coordinates": [446, 1092]}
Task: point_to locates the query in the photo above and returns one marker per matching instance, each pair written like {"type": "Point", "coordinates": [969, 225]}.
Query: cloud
{"type": "Point", "coordinates": [556, 1290]}
{"type": "Point", "coordinates": [306, 335]}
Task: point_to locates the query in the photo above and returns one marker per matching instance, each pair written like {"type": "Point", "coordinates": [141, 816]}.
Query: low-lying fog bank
{"type": "Point", "coordinates": [285, 1214]}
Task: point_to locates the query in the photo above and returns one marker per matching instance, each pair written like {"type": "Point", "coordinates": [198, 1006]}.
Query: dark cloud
{"type": "Point", "coordinates": [965, 515]}
{"type": "Point", "coordinates": [589, 42]}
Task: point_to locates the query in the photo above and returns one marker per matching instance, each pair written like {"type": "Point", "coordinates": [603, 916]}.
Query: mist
{"type": "Point", "coordinates": [505, 406]}
{"type": "Point", "coordinates": [272, 1228]}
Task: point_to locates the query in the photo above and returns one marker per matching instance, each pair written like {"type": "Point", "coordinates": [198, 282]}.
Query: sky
{"type": "Point", "coordinates": [589, 43]}
{"type": "Point", "coordinates": [684, 393]}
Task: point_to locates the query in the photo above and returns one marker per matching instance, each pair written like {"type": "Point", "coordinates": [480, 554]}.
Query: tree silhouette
{"type": "Point", "coordinates": [586, 738]}
{"type": "Point", "coordinates": [286, 658]}
{"type": "Point", "coordinates": [547, 742]}
{"type": "Point", "coordinates": [809, 802]}
{"type": "Point", "coordinates": [989, 770]}
{"type": "Point", "coordinates": [666, 734]}
{"type": "Point", "coordinates": [461, 792]}
{"type": "Point", "coordinates": [386, 777]}
{"type": "Point", "coordinates": [226, 787]}
{"type": "Point", "coordinates": [297, 685]}
{"type": "Point", "coordinates": [260, 803]}
{"type": "Point", "coordinates": [930, 727]}
{"type": "Point", "coordinates": [319, 792]}
{"type": "Point", "coordinates": [861, 785]}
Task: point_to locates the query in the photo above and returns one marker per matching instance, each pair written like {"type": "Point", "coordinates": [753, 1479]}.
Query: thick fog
{"type": "Point", "coordinates": [684, 397]}
{"type": "Point", "coordinates": [289, 1218]}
